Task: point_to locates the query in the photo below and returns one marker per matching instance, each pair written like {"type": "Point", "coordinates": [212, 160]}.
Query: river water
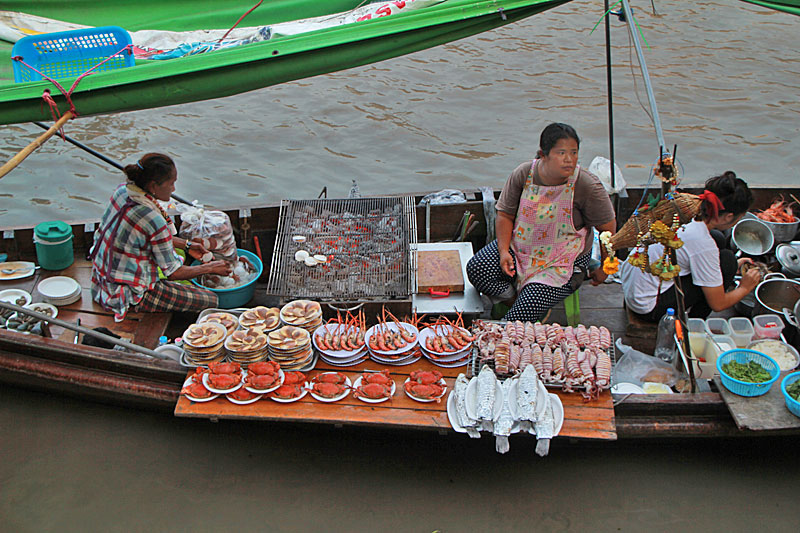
{"type": "Point", "coordinates": [726, 76]}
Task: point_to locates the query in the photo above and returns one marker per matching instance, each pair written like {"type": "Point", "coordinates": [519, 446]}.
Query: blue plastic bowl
{"type": "Point", "coordinates": [237, 296]}
{"type": "Point", "coordinates": [791, 404]}
{"type": "Point", "coordinates": [743, 388]}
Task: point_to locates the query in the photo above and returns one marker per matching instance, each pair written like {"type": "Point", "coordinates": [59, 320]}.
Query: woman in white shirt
{"type": "Point", "coordinates": [707, 266]}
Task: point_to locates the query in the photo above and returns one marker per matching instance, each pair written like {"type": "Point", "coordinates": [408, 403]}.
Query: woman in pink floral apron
{"type": "Point", "coordinates": [545, 217]}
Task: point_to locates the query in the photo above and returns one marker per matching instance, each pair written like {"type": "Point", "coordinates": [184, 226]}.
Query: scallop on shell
{"type": "Point", "coordinates": [310, 261]}
{"type": "Point", "coordinates": [321, 258]}
{"type": "Point", "coordinates": [301, 255]}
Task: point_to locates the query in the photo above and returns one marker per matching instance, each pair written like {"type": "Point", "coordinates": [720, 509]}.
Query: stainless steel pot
{"type": "Point", "coordinates": [752, 236]}
{"type": "Point", "coordinates": [746, 305]}
{"type": "Point", "coordinates": [791, 317]}
{"type": "Point", "coordinates": [775, 294]}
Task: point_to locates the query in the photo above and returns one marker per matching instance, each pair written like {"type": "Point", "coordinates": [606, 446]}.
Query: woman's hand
{"type": "Point", "coordinates": [507, 264]}
{"type": "Point", "coordinates": [197, 250]}
{"type": "Point", "coordinates": [750, 279]}
{"type": "Point", "coordinates": [222, 268]}
{"type": "Point", "coordinates": [598, 276]}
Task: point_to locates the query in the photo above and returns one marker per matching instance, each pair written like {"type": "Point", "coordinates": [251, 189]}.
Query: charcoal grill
{"type": "Point", "coordinates": [368, 242]}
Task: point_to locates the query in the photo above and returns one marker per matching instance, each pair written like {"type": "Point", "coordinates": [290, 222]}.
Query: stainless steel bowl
{"type": "Point", "coordinates": [752, 236]}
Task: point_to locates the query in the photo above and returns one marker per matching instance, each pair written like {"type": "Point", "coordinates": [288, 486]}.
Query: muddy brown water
{"type": "Point", "coordinates": [71, 465]}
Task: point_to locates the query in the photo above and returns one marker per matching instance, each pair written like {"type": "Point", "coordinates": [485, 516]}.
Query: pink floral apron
{"type": "Point", "coordinates": [545, 242]}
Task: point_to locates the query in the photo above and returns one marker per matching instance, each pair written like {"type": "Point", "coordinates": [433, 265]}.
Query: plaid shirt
{"type": "Point", "coordinates": [132, 240]}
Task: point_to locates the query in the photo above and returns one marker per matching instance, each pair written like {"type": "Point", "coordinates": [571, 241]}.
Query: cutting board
{"type": "Point", "coordinates": [760, 413]}
{"type": "Point", "coordinates": [439, 270]}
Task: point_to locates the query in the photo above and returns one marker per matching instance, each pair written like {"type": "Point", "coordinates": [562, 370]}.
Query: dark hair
{"type": "Point", "coordinates": [552, 134]}
{"type": "Point", "coordinates": [732, 191]}
{"type": "Point", "coordinates": [151, 167]}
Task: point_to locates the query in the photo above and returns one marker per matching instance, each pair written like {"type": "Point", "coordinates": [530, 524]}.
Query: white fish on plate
{"type": "Point", "coordinates": [485, 397]}
{"type": "Point", "coordinates": [504, 423]}
{"type": "Point", "coordinates": [460, 391]}
{"type": "Point", "coordinates": [545, 425]}
{"type": "Point", "coordinates": [527, 393]}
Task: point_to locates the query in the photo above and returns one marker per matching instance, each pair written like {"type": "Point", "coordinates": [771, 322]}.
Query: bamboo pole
{"type": "Point", "coordinates": [25, 152]}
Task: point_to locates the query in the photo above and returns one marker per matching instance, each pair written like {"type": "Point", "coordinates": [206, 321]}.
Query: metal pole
{"type": "Point", "coordinates": [610, 100]}
{"type": "Point", "coordinates": [81, 329]}
{"type": "Point", "coordinates": [100, 156]}
{"type": "Point", "coordinates": [643, 66]}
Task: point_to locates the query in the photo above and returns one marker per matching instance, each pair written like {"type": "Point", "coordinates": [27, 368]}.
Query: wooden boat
{"type": "Point", "coordinates": [57, 365]}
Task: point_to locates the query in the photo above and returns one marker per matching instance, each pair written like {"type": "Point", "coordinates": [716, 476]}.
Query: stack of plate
{"type": "Point", "coordinates": [339, 358]}
{"type": "Point", "coordinates": [60, 290]}
{"type": "Point", "coordinates": [302, 314]}
{"type": "Point", "coordinates": [263, 318]}
{"type": "Point", "coordinates": [228, 321]}
{"type": "Point", "coordinates": [290, 347]}
{"type": "Point", "coordinates": [246, 346]}
{"type": "Point", "coordinates": [204, 343]}
{"type": "Point", "coordinates": [404, 355]}
{"type": "Point", "coordinates": [443, 359]}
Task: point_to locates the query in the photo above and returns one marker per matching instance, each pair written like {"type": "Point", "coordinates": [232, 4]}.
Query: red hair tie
{"type": "Point", "coordinates": [714, 203]}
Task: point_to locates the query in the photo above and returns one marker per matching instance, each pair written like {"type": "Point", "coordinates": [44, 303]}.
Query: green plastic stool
{"type": "Point", "coordinates": [572, 305]}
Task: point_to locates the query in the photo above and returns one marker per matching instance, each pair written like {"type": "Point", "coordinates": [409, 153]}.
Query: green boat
{"type": "Point", "coordinates": [244, 68]}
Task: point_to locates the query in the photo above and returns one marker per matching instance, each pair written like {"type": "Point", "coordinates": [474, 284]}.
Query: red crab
{"type": "Point", "coordinates": [294, 378]}
{"type": "Point", "coordinates": [328, 390]}
{"type": "Point", "coordinates": [330, 377]}
{"type": "Point", "coordinates": [242, 395]}
{"type": "Point", "coordinates": [263, 367]}
{"type": "Point", "coordinates": [261, 381]}
{"type": "Point", "coordinates": [374, 391]}
{"type": "Point", "coordinates": [426, 377]}
{"type": "Point", "coordinates": [196, 390]}
{"type": "Point", "coordinates": [432, 391]}
{"type": "Point", "coordinates": [288, 392]}
{"type": "Point", "coordinates": [224, 381]}
{"type": "Point", "coordinates": [381, 378]}
{"type": "Point", "coordinates": [225, 368]}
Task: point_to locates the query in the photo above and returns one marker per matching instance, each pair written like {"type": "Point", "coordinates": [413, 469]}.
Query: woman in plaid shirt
{"type": "Point", "coordinates": [136, 237]}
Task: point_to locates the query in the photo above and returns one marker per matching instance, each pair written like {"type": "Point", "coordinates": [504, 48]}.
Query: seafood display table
{"type": "Point", "coordinates": [584, 420]}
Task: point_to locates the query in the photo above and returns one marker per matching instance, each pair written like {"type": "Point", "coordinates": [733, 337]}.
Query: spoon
{"type": "Point", "coordinates": [12, 270]}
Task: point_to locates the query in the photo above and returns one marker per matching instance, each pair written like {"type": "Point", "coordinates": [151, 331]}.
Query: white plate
{"type": "Point", "coordinates": [17, 275]}
{"type": "Point", "coordinates": [219, 391]}
{"type": "Point", "coordinates": [289, 400]}
{"type": "Point", "coordinates": [471, 399]}
{"type": "Point", "coordinates": [12, 295]}
{"type": "Point", "coordinates": [357, 383]}
{"type": "Point", "coordinates": [337, 361]}
{"type": "Point", "coordinates": [428, 332]}
{"type": "Point", "coordinates": [259, 391]}
{"type": "Point", "coordinates": [451, 413]}
{"type": "Point", "coordinates": [334, 330]}
{"type": "Point", "coordinates": [58, 287]}
{"type": "Point", "coordinates": [198, 400]}
{"type": "Point", "coordinates": [254, 399]}
{"type": "Point", "coordinates": [335, 398]}
{"type": "Point", "coordinates": [626, 388]}
{"type": "Point", "coordinates": [391, 326]}
{"type": "Point", "coordinates": [39, 306]}
{"type": "Point", "coordinates": [456, 364]}
{"type": "Point", "coordinates": [558, 412]}
{"type": "Point", "coordinates": [394, 361]}
{"type": "Point", "coordinates": [342, 364]}
{"type": "Point", "coordinates": [424, 400]}
{"type": "Point", "coordinates": [450, 357]}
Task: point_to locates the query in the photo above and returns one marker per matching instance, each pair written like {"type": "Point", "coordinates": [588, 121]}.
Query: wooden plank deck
{"type": "Point", "coordinates": [593, 420]}
{"type": "Point", "coordinates": [143, 329]}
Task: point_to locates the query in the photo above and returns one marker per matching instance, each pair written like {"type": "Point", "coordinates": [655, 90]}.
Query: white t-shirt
{"type": "Point", "coordinates": [699, 256]}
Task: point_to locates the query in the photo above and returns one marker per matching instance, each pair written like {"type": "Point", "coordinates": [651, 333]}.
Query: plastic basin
{"type": "Point", "coordinates": [744, 388]}
{"type": "Point", "coordinates": [237, 296]}
{"type": "Point", "coordinates": [791, 404]}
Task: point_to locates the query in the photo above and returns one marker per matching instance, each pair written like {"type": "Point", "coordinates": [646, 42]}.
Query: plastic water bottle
{"type": "Point", "coordinates": [665, 340]}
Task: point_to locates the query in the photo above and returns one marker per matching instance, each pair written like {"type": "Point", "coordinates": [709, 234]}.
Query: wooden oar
{"type": "Point", "coordinates": [81, 329]}
{"type": "Point", "coordinates": [25, 152]}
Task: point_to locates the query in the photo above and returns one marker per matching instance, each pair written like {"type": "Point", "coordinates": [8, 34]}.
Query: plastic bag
{"type": "Point", "coordinates": [637, 367]}
{"type": "Point", "coordinates": [445, 196]}
{"type": "Point", "coordinates": [601, 167]}
{"type": "Point", "coordinates": [213, 228]}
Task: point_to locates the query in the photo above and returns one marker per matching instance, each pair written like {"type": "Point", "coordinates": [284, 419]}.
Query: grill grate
{"type": "Point", "coordinates": [368, 242]}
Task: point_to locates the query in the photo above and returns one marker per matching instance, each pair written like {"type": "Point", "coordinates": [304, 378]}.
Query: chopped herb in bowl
{"type": "Point", "coordinates": [751, 372]}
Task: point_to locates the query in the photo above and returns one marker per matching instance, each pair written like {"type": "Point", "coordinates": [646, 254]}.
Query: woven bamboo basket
{"type": "Point", "coordinates": [685, 205]}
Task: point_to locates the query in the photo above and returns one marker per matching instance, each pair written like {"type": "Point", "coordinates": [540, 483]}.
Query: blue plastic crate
{"type": "Point", "coordinates": [743, 388]}
{"type": "Point", "coordinates": [68, 54]}
{"type": "Point", "coordinates": [791, 404]}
